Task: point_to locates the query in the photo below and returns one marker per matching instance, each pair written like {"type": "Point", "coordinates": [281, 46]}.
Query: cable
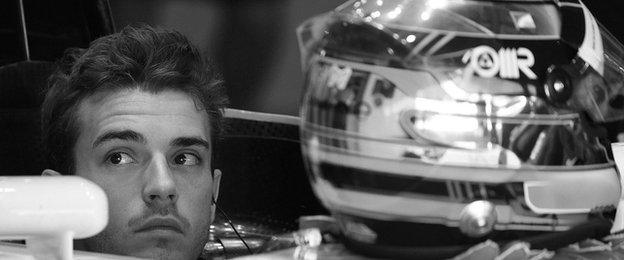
{"type": "Point", "coordinates": [232, 225]}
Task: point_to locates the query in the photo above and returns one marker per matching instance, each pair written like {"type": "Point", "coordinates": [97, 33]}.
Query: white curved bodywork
{"type": "Point", "coordinates": [49, 212]}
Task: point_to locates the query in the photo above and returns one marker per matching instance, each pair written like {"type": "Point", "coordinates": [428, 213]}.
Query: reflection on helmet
{"type": "Point", "coordinates": [415, 110]}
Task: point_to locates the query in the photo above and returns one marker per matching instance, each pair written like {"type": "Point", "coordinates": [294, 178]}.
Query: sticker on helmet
{"type": "Point", "coordinates": [507, 63]}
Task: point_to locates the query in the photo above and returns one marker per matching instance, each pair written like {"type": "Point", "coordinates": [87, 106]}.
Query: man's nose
{"type": "Point", "coordinates": [160, 188]}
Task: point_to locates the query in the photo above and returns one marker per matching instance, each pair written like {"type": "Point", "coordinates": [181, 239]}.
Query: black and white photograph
{"type": "Point", "coordinates": [311, 129]}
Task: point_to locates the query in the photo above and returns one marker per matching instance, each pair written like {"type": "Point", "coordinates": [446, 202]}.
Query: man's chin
{"type": "Point", "coordinates": [161, 248]}
{"type": "Point", "coordinates": [151, 248]}
{"type": "Point", "coordinates": [161, 253]}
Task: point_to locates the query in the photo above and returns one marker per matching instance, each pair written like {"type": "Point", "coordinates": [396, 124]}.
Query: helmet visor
{"type": "Point", "coordinates": [397, 114]}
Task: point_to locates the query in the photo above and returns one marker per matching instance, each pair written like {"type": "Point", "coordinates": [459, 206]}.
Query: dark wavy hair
{"type": "Point", "coordinates": [142, 57]}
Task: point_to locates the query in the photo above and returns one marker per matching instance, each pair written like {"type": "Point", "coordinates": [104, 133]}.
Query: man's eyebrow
{"type": "Point", "coordinates": [124, 135]}
{"type": "Point", "coordinates": [190, 141]}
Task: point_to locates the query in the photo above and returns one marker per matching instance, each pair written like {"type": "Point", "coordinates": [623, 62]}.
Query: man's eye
{"type": "Point", "coordinates": [120, 158]}
{"type": "Point", "coordinates": [186, 159]}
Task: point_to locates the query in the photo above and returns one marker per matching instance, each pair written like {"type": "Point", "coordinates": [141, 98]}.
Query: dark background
{"type": "Point", "coordinates": [254, 42]}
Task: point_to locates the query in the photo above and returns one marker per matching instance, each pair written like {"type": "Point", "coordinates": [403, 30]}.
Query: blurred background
{"type": "Point", "coordinates": [254, 42]}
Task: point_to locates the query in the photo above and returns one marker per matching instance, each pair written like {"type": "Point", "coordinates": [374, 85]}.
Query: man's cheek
{"type": "Point", "coordinates": [123, 204]}
{"type": "Point", "coordinates": [196, 206]}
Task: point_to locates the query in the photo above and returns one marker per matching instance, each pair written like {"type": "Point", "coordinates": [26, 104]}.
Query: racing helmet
{"type": "Point", "coordinates": [431, 125]}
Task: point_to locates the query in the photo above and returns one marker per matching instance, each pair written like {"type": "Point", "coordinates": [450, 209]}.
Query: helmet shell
{"type": "Point", "coordinates": [429, 123]}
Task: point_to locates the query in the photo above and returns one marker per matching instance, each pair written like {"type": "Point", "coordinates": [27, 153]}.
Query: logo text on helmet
{"type": "Point", "coordinates": [507, 63]}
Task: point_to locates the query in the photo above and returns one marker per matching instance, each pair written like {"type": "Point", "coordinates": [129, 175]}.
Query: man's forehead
{"type": "Point", "coordinates": [155, 101]}
{"type": "Point", "coordinates": [117, 110]}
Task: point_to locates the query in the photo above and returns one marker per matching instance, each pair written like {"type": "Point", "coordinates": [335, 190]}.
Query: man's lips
{"type": "Point", "coordinates": [165, 224]}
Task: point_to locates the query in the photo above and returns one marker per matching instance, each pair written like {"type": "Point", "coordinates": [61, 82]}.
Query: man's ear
{"type": "Point", "coordinates": [216, 180]}
{"type": "Point", "coordinates": [50, 172]}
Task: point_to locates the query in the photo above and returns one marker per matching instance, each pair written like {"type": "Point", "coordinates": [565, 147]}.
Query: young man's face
{"type": "Point", "coordinates": [151, 154]}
